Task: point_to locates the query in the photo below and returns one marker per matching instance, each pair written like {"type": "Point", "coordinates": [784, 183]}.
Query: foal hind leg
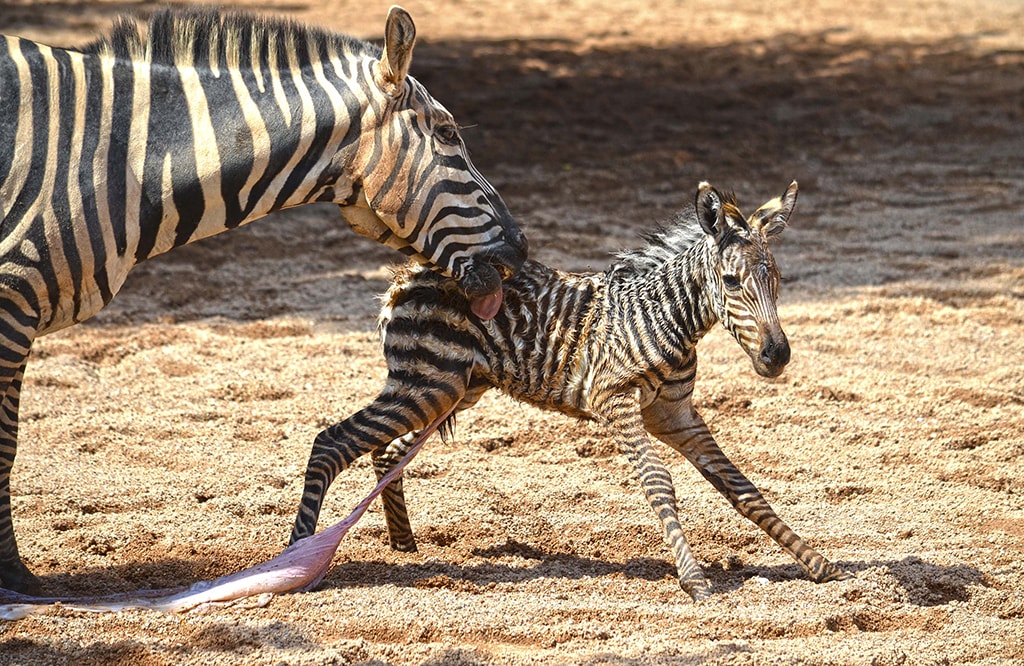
{"type": "Point", "coordinates": [396, 513]}
{"type": "Point", "coordinates": [407, 404]}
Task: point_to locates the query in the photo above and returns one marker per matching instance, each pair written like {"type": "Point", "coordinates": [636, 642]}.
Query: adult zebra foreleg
{"type": "Point", "coordinates": [671, 417]}
{"type": "Point", "coordinates": [14, 575]}
{"type": "Point", "coordinates": [406, 405]}
{"type": "Point", "coordinates": [19, 320]}
{"type": "Point", "coordinates": [396, 513]}
{"type": "Point", "coordinates": [623, 413]}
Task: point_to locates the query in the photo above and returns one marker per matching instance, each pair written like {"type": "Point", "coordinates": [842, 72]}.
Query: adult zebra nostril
{"type": "Point", "coordinates": [522, 243]}
{"type": "Point", "coordinates": [508, 259]}
{"type": "Point", "coordinates": [517, 245]}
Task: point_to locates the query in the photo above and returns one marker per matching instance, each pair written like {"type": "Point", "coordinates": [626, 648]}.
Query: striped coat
{"type": "Point", "coordinates": [617, 347]}
{"type": "Point", "coordinates": [131, 146]}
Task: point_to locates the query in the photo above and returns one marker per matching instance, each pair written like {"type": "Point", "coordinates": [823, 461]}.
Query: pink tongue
{"type": "Point", "coordinates": [487, 306]}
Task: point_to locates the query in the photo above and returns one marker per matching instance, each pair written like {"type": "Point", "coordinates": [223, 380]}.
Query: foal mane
{"type": "Point", "coordinates": [667, 241]}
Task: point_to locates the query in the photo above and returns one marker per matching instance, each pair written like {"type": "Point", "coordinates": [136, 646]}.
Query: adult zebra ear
{"type": "Point", "coordinates": [710, 212]}
{"type": "Point", "coordinates": [771, 218]}
{"type": "Point", "coordinates": [399, 39]}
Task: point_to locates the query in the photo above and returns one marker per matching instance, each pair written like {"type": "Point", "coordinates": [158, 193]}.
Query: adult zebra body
{"type": "Point", "coordinates": [617, 347]}
{"type": "Point", "coordinates": [131, 146]}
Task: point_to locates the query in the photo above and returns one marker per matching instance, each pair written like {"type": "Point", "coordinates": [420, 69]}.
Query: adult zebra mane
{"type": "Point", "coordinates": [666, 241]}
{"type": "Point", "coordinates": [211, 38]}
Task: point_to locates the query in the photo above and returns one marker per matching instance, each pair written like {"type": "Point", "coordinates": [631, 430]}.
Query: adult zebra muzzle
{"type": "Point", "coordinates": [479, 277]}
{"type": "Point", "coordinates": [481, 281]}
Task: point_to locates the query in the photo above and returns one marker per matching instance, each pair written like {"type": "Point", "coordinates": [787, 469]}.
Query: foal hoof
{"type": "Point", "coordinates": [698, 589]}
{"type": "Point", "coordinates": [404, 546]}
{"type": "Point", "coordinates": [831, 572]}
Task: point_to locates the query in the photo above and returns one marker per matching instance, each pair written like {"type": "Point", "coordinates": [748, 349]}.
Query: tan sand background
{"type": "Point", "coordinates": [164, 441]}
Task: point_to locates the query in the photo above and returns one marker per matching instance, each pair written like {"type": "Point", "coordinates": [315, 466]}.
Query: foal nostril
{"type": "Point", "coordinates": [784, 353]}
{"type": "Point", "coordinates": [775, 354]}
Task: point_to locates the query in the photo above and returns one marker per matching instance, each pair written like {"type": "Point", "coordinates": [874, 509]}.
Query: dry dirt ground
{"type": "Point", "coordinates": [163, 442]}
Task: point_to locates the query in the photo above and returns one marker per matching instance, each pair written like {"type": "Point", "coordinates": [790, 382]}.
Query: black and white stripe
{"type": "Point", "coordinates": [136, 144]}
{"type": "Point", "coordinates": [617, 347]}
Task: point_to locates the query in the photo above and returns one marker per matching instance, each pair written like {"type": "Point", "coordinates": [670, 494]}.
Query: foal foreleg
{"type": "Point", "coordinates": [624, 417]}
{"type": "Point", "coordinates": [678, 424]}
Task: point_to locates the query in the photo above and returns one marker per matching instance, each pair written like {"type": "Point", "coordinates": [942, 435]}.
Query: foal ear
{"type": "Point", "coordinates": [771, 218]}
{"type": "Point", "coordinates": [399, 39]}
{"type": "Point", "coordinates": [710, 213]}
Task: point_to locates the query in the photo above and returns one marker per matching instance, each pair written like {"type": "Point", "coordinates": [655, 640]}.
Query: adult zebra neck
{"type": "Point", "coordinates": [215, 144]}
{"type": "Point", "coordinates": [235, 117]}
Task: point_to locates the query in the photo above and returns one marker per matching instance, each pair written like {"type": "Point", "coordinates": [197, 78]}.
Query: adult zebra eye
{"type": "Point", "coordinates": [731, 282]}
{"type": "Point", "coordinates": [447, 134]}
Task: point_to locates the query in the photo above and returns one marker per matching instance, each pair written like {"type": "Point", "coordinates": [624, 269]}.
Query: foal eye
{"type": "Point", "coordinates": [731, 282]}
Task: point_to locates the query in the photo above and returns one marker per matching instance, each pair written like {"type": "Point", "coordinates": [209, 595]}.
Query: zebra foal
{"type": "Point", "coordinates": [133, 145]}
{"type": "Point", "coordinates": [618, 347]}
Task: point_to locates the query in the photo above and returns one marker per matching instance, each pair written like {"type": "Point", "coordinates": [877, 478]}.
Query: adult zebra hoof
{"type": "Point", "coordinates": [16, 577]}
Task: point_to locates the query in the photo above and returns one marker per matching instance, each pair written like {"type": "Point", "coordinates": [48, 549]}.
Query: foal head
{"type": "Point", "coordinates": [743, 281]}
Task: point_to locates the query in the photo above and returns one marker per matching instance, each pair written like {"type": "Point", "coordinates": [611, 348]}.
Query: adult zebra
{"type": "Point", "coordinates": [617, 347]}
{"type": "Point", "coordinates": [131, 146]}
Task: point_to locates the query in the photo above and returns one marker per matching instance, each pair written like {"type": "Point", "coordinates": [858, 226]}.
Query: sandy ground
{"type": "Point", "coordinates": [163, 442]}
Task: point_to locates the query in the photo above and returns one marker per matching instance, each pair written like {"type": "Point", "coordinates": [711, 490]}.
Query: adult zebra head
{"type": "Point", "coordinates": [420, 193]}
{"type": "Point", "coordinates": [744, 280]}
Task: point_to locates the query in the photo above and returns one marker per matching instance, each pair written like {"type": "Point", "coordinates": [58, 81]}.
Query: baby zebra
{"type": "Point", "coordinates": [618, 347]}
